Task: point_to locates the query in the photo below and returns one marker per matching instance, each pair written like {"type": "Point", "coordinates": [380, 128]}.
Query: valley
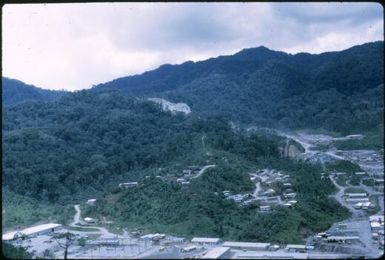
{"type": "Point", "coordinates": [252, 155]}
{"type": "Point", "coordinates": [131, 242]}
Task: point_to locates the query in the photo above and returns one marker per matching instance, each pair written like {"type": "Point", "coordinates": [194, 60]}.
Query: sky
{"type": "Point", "coordinates": [75, 46]}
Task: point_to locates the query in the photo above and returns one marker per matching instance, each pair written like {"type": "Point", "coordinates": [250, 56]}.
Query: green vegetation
{"type": "Point", "coordinates": [354, 190]}
{"type": "Point", "coordinates": [349, 168]}
{"type": "Point", "coordinates": [14, 252]}
{"type": "Point", "coordinates": [369, 182]}
{"type": "Point", "coordinates": [201, 209]}
{"type": "Point", "coordinates": [15, 91]}
{"type": "Point", "coordinates": [84, 144]}
{"type": "Point", "coordinates": [87, 229]}
{"type": "Point", "coordinates": [341, 92]}
{"type": "Point", "coordinates": [21, 211]}
{"type": "Point", "coordinates": [373, 140]}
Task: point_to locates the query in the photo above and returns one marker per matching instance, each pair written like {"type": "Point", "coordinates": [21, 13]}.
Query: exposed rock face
{"type": "Point", "coordinates": [290, 150]}
{"type": "Point", "coordinates": [172, 107]}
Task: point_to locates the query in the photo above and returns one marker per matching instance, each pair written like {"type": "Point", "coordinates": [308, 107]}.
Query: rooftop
{"type": "Point", "coordinates": [246, 244]}
{"type": "Point", "coordinates": [291, 246]}
{"type": "Point", "coordinates": [205, 240]}
{"type": "Point", "coordinates": [216, 252]}
{"type": "Point", "coordinates": [31, 230]}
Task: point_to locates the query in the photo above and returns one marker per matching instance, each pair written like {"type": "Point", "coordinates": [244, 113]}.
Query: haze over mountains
{"type": "Point", "coordinates": [262, 86]}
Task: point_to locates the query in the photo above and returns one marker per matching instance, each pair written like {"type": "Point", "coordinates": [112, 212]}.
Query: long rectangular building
{"type": "Point", "coordinates": [35, 230]}
{"type": "Point", "coordinates": [246, 245]}
{"type": "Point", "coordinates": [218, 253]}
{"type": "Point", "coordinates": [205, 240]}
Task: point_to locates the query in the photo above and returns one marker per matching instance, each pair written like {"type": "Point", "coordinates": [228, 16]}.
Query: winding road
{"type": "Point", "coordinates": [203, 170]}
{"type": "Point", "coordinates": [77, 219]}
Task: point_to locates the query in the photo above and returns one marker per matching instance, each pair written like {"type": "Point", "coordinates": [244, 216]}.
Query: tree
{"type": "Point", "coordinates": [65, 240]}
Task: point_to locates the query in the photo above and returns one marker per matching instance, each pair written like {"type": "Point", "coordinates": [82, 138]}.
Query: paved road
{"type": "Point", "coordinates": [76, 216]}
{"type": "Point", "coordinates": [257, 189]}
{"type": "Point", "coordinates": [77, 219]}
{"type": "Point", "coordinates": [203, 170]}
{"type": "Point", "coordinates": [339, 197]}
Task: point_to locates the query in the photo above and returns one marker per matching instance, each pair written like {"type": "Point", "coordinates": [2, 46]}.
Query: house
{"type": "Point", "coordinates": [356, 195]}
{"type": "Point", "coordinates": [375, 226]}
{"type": "Point", "coordinates": [153, 237]}
{"type": "Point", "coordinates": [89, 220]}
{"type": "Point", "coordinates": [180, 180]}
{"type": "Point", "coordinates": [290, 195]}
{"type": "Point", "coordinates": [265, 208]}
{"type": "Point", "coordinates": [352, 200]}
{"type": "Point", "coordinates": [185, 183]}
{"type": "Point", "coordinates": [218, 253]}
{"type": "Point", "coordinates": [377, 218]}
{"type": "Point", "coordinates": [128, 184]}
{"type": "Point", "coordinates": [342, 238]}
{"type": "Point", "coordinates": [360, 173]}
{"type": "Point", "coordinates": [205, 240]}
{"type": "Point", "coordinates": [33, 231]}
{"type": "Point", "coordinates": [226, 193]}
{"type": "Point", "coordinates": [287, 205]}
{"type": "Point", "coordinates": [188, 249]}
{"type": "Point", "coordinates": [296, 248]}
{"type": "Point", "coordinates": [269, 192]}
{"type": "Point", "coordinates": [91, 202]}
{"type": "Point", "coordinates": [367, 205]}
{"type": "Point", "coordinates": [246, 245]}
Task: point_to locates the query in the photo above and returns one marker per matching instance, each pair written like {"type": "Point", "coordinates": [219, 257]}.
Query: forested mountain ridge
{"type": "Point", "coordinates": [86, 142]}
{"type": "Point", "coordinates": [15, 91]}
{"type": "Point", "coordinates": [261, 86]}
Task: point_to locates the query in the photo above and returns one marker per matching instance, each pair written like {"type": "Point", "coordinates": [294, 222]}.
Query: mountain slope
{"type": "Point", "coordinates": [83, 145]}
{"type": "Point", "coordinates": [15, 91]}
{"type": "Point", "coordinates": [261, 86]}
{"type": "Point", "coordinates": [86, 142]}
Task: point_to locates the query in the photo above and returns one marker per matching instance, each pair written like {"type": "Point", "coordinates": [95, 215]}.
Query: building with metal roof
{"type": "Point", "coordinates": [205, 240]}
{"type": "Point", "coordinates": [35, 230]}
{"type": "Point", "coordinates": [218, 253]}
{"type": "Point", "coordinates": [246, 245]}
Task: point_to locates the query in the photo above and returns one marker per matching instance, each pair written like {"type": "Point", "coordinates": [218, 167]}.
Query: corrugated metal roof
{"type": "Point", "coordinates": [31, 230]}
{"type": "Point", "coordinates": [216, 252]}
{"type": "Point", "coordinates": [205, 240]}
{"type": "Point", "coordinates": [246, 244]}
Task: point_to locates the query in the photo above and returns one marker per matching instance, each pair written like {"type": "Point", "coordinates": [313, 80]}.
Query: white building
{"type": "Point", "coordinates": [91, 202]}
{"type": "Point", "coordinates": [357, 199]}
{"type": "Point", "coordinates": [128, 184]}
{"type": "Point", "coordinates": [218, 253]}
{"type": "Point", "coordinates": [265, 208]}
{"type": "Point", "coordinates": [342, 238]}
{"type": "Point", "coordinates": [246, 245]}
{"type": "Point", "coordinates": [34, 231]}
{"type": "Point", "coordinates": [89, 220]}
{"type": "Point", "coordinates": [205, 240]}
{"type": "Point", "coordinates": [377, 218]}
{"type": "Point", "coordinates": [356, 195]}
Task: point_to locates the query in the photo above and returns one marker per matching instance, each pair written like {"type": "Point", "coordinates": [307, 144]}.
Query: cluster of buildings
{"type": "Point", "coordinates": [218, 249]}
{"type": "Point", "coordinates": [272, 188]}
{"type": "Point", "coordinates": [360, 200]}
{"type": "Point", "coordinates": [377, 228]}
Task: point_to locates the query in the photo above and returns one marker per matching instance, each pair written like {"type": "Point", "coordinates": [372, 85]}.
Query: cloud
{"type": "Point", "coordinates": [74, 46]}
